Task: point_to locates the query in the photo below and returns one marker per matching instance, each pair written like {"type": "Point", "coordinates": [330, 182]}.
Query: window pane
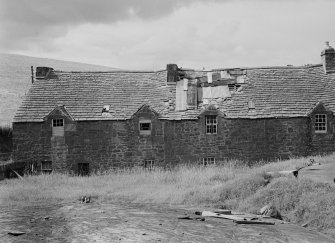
{"type": "Point", "coordinates": [145, 126]}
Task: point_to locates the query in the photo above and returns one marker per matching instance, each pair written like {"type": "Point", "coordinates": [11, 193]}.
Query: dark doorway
{"type": "Point", "coordinates": [83, 169]}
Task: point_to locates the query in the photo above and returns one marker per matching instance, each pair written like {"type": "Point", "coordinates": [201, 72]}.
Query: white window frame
{"type": "Point", "coordinates": [211, 124]}
{"type": "Point", "coordinates": [143, 131]}
{"type": "Point", "coordinates": [320, 123]}
{"type": "Point", "coordinates": [208, 161]}
{"type": "Point", "coordinates": [58, 127]}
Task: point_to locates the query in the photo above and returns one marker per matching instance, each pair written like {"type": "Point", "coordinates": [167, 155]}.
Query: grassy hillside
{"type": "Point", "coordinates": [15, 78]}
{"type": "Point", "coordinates": [232, 185]}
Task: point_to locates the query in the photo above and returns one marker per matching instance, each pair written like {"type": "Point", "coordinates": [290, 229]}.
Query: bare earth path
{"type": "Point", "coordinates": [127, 222]}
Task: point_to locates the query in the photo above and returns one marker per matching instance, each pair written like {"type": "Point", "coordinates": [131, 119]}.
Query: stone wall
{"type": "Point", "coordinates": [118, 144]}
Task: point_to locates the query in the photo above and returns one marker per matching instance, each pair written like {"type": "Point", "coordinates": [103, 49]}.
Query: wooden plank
{"type": "Point", "coordinates": [224, 216]}
{"type": "Point", "coordinates": [253, 222]}
{"type": "Point", "coordinates": [283, 172]}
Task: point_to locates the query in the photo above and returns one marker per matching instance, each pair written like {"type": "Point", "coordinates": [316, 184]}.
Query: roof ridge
{"type": "Point", "coordinates": [112, 71]}
{"type": "Point", "coordinates": [270, 67]}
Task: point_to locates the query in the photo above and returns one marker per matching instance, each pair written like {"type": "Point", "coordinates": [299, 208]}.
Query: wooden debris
{"type": "Point", "coordinates": [16, 233]}
{"type": "Point", "coordinates": [218, 215]}
{"type": "Point", "coordinates": [271, 211]}
{"type": "Point", "coordinates": [85, 199]}
{"type": "Point", "coordinates": [190, 218]}
{"type": "Point", "coordinates": [185, 217]}
{"type": "Point", "coordinates": [283, 172]}
{"type": "Point", "coordinates": [253, 222]}
{"type": "Point", "coordinates": [17, 174]}
{"type": "Point", "coordinates": [223, 211]}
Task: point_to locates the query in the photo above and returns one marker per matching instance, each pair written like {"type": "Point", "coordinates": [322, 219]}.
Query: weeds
{"type": "Point", "coordinates": [230, 185]}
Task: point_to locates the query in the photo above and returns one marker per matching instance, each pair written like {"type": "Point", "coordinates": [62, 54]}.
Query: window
{"type": "Point", "coordinates": [145, 127]}
{"type": "Point", "coordinates": [148, 164]}
{"type": "Point", "coordinates": [320, 123]}
{"type": "Point", "coordinates": [46, 166]}
{"type": "Point", "coordinates": [58, 127]}
{"type": "Point", "coordinates": [83, 169]}
{"type": "Point", "coordinates": [211, 124]}
{"type": "Point", "coordinates": [208, 161]}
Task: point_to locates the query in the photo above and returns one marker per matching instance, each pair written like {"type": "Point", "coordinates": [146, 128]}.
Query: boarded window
{"type": "Point", "coordinates": [148, 164]}
{"type": "Point", "coordinates": [58, 127]}
{"type": "Point", "coordinates": [46, 166]}
{"type": "Point", "coordinates": [211, 124]}
{"type": "Point", "coordinates": [145, 127]}
{"type": "Point", "coordinates": [208, 161]}
{"type": "Point", "coordinates": [83, 169]}
{"type": "Point", "coordinates": [320, 123]}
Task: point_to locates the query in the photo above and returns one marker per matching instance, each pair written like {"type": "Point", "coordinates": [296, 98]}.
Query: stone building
{"type": "Point", "coordinates": [86, 121]}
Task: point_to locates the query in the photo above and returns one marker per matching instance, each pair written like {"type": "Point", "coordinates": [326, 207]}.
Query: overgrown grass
{"type": "Point", "coordinates": [231, 185]}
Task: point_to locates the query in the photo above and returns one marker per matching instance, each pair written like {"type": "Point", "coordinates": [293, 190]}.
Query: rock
{"type": "Point", "coordinates": [270, 211]}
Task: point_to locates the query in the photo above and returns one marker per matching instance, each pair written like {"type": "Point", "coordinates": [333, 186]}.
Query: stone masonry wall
{"type": "Point", "coordinates": [118, 144]}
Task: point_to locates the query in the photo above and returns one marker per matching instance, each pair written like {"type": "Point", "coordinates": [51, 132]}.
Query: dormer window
{"type": "Point", "coordinates": [211, 124]}
{"type": "Point", "coordinates": [145, 127]}
{"type": "Point", "coordinates": [320, 123]}
{"type": "Point", "coordinates": [58, 127]}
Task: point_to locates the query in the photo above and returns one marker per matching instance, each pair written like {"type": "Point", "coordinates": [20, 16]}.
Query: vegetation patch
{"type": "Point", "coordinates": [230, 185]}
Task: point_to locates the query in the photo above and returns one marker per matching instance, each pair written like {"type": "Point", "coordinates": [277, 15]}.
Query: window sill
{"type": "Point", "coordinates": [320, 132]}
{"type": "Point", "coordinates": [145, 133]}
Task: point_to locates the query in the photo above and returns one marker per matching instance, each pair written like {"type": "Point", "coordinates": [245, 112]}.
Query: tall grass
{"type": "Point", "coordinates": [229, 185]}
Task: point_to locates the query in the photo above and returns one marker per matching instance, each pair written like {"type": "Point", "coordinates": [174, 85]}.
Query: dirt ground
{"type": "Point", "coordinates": [128, 222]}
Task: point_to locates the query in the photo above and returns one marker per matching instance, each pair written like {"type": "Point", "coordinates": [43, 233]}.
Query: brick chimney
{"type": "Point", "coordinates": [328, 58]}
{"type": "Point", "coordinates": [43, 72]}
{"type": "Point", "coordinates": [172, 73]}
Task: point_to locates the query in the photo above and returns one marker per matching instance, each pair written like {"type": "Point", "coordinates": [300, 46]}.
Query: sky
{"type": "Point", "coordinates": [148, 34]}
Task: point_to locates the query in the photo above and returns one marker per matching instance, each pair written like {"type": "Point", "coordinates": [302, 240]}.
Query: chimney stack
{"type": "Point", "coordinates": [172, 73]}
{"type": "Point", "coordinates": [328, 59]}
{"type": "Point", "coordinates": [43, 72]}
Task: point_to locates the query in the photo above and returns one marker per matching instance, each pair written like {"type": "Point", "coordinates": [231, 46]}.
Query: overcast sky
{"type": "Point", "coordinates": [148, 34]}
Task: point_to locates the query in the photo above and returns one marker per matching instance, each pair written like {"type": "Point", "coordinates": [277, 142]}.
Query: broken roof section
{"type": "Point", "coordinates": [275, 92]}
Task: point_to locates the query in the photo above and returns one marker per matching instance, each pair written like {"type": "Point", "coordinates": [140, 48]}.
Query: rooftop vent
{"type": "Point", "coordinates": [106, 108]}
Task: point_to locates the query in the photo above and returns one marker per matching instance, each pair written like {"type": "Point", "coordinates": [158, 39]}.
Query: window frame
{"type": "Point", "coordinates": [208, 161]}
{"type": "Point", "coordinates": [57, 122]}
{"type": "Point", "coordinates": [151, 163]}
{"type": "Point", "coordinates": [82, 169]}
{"type": "Point", "coordinates": [144, 131]}
{"type": "Point", "coordinates": [58, 125]}
{"type": "Point", "coordinates": [211, 124]}
{"type": "Point", "coordinates": [320, 121]}
{"type": "Point", "coordinates": [48, 168]}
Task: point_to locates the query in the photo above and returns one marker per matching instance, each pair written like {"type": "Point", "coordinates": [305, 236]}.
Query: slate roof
{"type": "Point", "coordinates": [85, 93]}
{"type": "Point", "coordinates": [282, 92]}
{"type": "Point", "coordinates": [275, 91]}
